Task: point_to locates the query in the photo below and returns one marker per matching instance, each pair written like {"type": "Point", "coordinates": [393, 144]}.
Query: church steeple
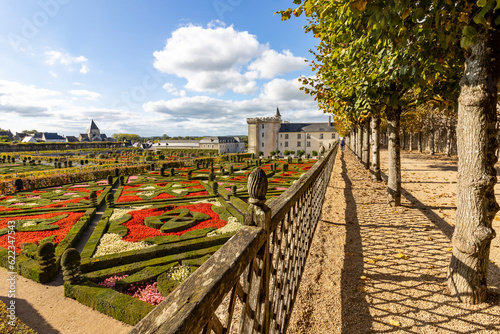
{"type": "Point", "coordinates": [277, 114]}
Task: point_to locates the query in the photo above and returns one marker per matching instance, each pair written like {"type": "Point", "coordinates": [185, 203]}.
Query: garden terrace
{"type": "Point", "coordinates": [251, 282]}
{"type": "Point", "coordinates": [154, 228]}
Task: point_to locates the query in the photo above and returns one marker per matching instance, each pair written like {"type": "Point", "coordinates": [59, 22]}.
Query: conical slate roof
{"type": "Point", "coordinates": [92, 126]}
{"type": "Point", "coordinates": [277, 112]}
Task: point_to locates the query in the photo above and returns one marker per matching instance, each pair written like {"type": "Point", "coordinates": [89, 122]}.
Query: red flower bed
{"type": "Point", "coordinates": [128, 199]}
{"type": "Point", "coordinates": [38, 191]}
{"type": "Point", "coordinates": [137, 231]}
{"type": "Point", "coordinates": [164, 196]}
{"type": "Point", "coordinates": [64, 224]}
{"type": "Point", "coordinates": [275, 180]}
{"type": "Point", "coordinates": [125, 192]}
{"type": "Point", "coordinates": [3, 208]}
{"type": "Point", "coordinates": [86, 190]}
{"type": "Point", "coordinates": [238, 178]}
{"type": "Point", "coordinates": [163, 184]}
{"type": "Point", "coordinates": [132, 186]}
{"type": "Point", "coordinates": [6, 197]}
{"type": "Point", "coordinates": [199, 193]}
{"type": "Point", "coordinates": [195, 187]}
{"type": "Point", "coordinates": [190, 182]}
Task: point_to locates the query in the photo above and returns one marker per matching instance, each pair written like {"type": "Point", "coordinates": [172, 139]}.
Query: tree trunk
{"type": "Point", "coordinates": [366, 143]}
{"type": "Point", "coordinates": [432, 148]}
{"type": "Point", "coordinates": [394, 150]}
{"type": "Point", "coordinates": [403, 139]}
{"type": "Point", "coordinates": [359, 143]}
{"type": "Point", "coordinates": [354, 139]}
{"type": "Point", "coordinates": [448, 136]}
{"type": "Point", "coordinates": [375, 165]}
{"type": "Point", "coordinates": [410, 141]}
{"type": "Point", "coordinates": [419, 142]}
{"type": "Point", "coordinates": [477, 143]}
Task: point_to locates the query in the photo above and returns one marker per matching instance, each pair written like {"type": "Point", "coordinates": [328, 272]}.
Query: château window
{"type": "Point", "coordinates": [286, 144]}
{"type": "Point", "coordinates": [286, 135]}
{"type": "Point", "coordinates": [262, 134]}
{"type": "Point", "coordinates": [262, 144]}
{"type": "Point", "coordinates": [308, 144]}
{"type": "Point", "coordinates": [308, 136]}
{"type": "Point", "coordinates": [263, 126]}
{"type": "Point", "coordinates": [320, 136]}
{"type": "Point", "coordinates": [298, 144]}
{"type": "Point", "coordinates": [333, 135]}
{"type": "Point", "coordinates": [298, 135]}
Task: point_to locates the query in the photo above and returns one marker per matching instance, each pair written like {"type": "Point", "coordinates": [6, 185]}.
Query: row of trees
{"type": "Point", "coordinates": [382, 59]}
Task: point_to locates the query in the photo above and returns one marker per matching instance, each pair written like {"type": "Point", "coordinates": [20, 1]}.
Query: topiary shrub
{"type": "Point", "coordinates": [70, 262]}
{"type": "Point", "coordinates": [46, 257]}
{"type": "Point", "coordinates": [110, 200]}
{"type": "Point", "coordinates": [19, 184]}
{"type": "Point", "coordinates": [93, 198]}
{"type": "Point", "coordinates": [110, 180]}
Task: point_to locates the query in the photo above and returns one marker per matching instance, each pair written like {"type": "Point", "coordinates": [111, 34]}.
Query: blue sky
{"type": "Point", "coordinates": [196, 67]}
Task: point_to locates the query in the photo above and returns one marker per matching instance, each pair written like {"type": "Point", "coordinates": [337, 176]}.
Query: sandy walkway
{"type": "Point", "coordinates": [373, 268]}
{"type": "Point", "coordinates": [44, 308]}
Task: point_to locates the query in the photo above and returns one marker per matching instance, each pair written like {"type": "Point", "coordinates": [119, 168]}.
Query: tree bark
{"type": "Point", "coordinates": [403, 139]}
{"type": "Point", "coordinates": [359, 143]}
{"type": "Point", "coordinates": [366, 143]}
{"type": "Point", "coordinates": [394, 150]}
{"type": "Point", "coordinates": [419, 142]}
{"type": "Point", "coordinates": [448, 136]}
{"type": "Point", "coordinates": [432, 148]}
{"type": "Point", "coordinates": [410, 141]}
{"type": "Point", "coordinates": [375, 158]}
{"type": "Point", "coordinates": [477, 143]}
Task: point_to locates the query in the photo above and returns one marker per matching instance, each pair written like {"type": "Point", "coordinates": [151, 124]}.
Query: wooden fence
{"type": "Point", "coordinates": [250, 284]}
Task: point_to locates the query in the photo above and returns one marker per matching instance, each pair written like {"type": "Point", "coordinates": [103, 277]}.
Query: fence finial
{"type": "Point", "coordinates": [258, 213]}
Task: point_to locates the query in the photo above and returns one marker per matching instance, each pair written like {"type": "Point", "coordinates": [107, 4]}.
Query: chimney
{"type": "Point", "coordinates": [329, 120]}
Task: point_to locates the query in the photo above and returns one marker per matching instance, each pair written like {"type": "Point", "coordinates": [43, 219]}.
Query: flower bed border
{"type": "Point", "coordinates": [30, 268]}
{"type": "Point", "coordinates": [120, 306]}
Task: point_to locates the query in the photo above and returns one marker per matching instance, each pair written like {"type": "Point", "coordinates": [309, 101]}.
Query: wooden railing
{"type": "Point", "coordinates": [250, 284]}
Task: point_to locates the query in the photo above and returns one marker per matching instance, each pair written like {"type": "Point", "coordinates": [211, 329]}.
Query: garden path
{"type": "Point", "coordinates": [373, 268]}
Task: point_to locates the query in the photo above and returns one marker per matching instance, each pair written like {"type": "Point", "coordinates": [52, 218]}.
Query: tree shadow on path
{"type": "Point", "coordinates": [355, 309]}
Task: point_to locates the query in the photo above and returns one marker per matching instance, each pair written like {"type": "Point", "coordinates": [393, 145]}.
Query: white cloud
{"type": "Point", "coordinates": [218, 59]}
{"type": "Point", "coordinates": [209, 115]}
{"type": "Point", "coordinates": [55, 57]}
{"type": "Point", "coordinates": [170, 88]}
{"type": "Point", "coordinates": [283, 90]}
{"type": "Point", "coordinates": [86, 94]}
{"type": "Point", "coordinates": [272, 63]}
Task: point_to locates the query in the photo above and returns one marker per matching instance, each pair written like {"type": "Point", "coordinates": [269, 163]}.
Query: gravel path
{"type": "Point", "coordinates": [373, 268]}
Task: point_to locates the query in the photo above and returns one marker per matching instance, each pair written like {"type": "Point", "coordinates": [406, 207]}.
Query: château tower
{"type": "Point", "coordinates": [263, 133]}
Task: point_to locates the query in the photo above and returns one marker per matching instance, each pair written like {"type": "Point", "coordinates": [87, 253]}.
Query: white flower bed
{"type": "Point", "coordinates": [146, 193]}
{"type": "Point", "coordinates": [232, 225]}
{"type": "Point", "coordinates": [30, 223]}
{"type": "Point", "coordinates": [176, 185]}
{"type": "Point", "coordinates": [147, 188]}
{"type": "Point", "coordinates": [112, 243]}
{"type": "Point", "coordinates": [208, 201]}
{"type": "Point", "coordinates": [119, 213]}
{"type": "Point", "coordinates": [178, 191]}
{"type": "Point", "coordinates": [179, 273]}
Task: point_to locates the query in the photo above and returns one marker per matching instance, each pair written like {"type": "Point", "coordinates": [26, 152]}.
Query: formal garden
{"type": "Point", "coordinates": [153, 219]}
